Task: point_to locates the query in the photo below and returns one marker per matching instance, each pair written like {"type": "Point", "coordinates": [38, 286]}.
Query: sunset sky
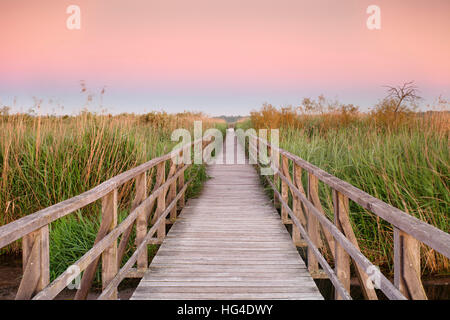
{"type": "Point", "coordinates": [219, 56]}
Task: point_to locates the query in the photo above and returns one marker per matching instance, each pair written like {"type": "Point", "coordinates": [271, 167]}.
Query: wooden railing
{"type": "Point", "coordinates": [309, 221]}
{"type": "Point", "coordinates": [34, 230]}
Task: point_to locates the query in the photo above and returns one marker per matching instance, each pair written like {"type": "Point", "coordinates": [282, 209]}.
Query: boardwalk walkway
{"type": "Point", "coordinates": [229, 243]}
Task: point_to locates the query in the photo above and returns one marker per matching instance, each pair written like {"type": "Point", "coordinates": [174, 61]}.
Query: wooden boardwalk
{"type": "Point", "coordinates": [229, 243]}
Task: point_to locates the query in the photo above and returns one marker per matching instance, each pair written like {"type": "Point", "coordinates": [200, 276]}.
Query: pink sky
{"type": "Point", "coordinates": [221, 56]}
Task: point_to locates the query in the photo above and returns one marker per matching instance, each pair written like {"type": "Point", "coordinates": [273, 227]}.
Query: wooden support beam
{"type": "Point", "coordinates": [180, 182]}
{"type": "Point", "coordinates": [276, 202]}
{"type": "Point", "coordinates": [172, 194]}
{"type": "Point", "coordinates": [36, 265]}
{"type": "Point", "coordinates": [161, 202]}
{"type": "Point", "coordinates": [160, 179]}
{"type": "Point", "coordinates": [135, 273]}
{"type": "Point", "coordinates": [275, 154]}
{"type": "Point", "coordinates": [346, 228]}
{"type": "Point", "coordinates": [297, 206]}
{"type": "Point", "coordinates": [136, 202]}
{"type": "Point", "coordinates": [315, 199]}
{"type": "Point", "coordinates": [105, 227]}
{"type": "Point", "coordinates": [407, 266]}
{"type": "Point", "coordinates": [285, 190]}
{"type": "Point", "coordinates": [342, 259]}
{"type": "Point", "coordinates": [313, 226]}
{"type": "Point", "coordinates": [141, 221]}
{"type": "Point", "coordinates": [109, 257]}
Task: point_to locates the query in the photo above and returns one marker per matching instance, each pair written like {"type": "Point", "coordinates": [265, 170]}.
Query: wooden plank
{"type": "Point", "coordinates": [35, 264]}
{"type": "Point", "coordinates": [230, 237]}
{"type": "Point", "coordinates": [182, 200]}
{"type": "Point", "coordinates": [341, 258]}
{"type": "Point", "coordinates": [109, 256]}
{"type": "Point", "coordinates": [172, 193]}
{"type": "Point", "coordinates": [105, 227]}
{"type": "Point", "coordinates": [224, 289]}
{"type": "Point", "coordinates": [141, 194]}
{"type": "Point", "coordinates": [161, 202]}
{"type": "Point", "coordinates": [135, 273]}
{"type": "Point", "coordinates": [284, 189]}
{"type": "Point", "coordinates": [407, 266]}
{"type": "Point", "coordinates": [297, 206]}
{"type": "Point", "coordinates": [346, 228]}
{"type": "Point", "coordinates": [227, 296]}
{"type": "Point", "coordinates": [313, 226]}
{"type": "Point", "coordinates": [141, 221]}
{"type": "Point", "coordinates": [315, 199]}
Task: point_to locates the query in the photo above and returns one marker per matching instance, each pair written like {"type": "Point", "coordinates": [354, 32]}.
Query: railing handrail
{"type": "Point", "coordinates": [167, 193]}
{"type": "Point", "coordinates": [58, 284]}
{"type": "Point", "coordinates": [25, 225]}
{"type": "Point", "coordinates": [426, 233]}
{"type": "Point", "coordinates": [386, 286]}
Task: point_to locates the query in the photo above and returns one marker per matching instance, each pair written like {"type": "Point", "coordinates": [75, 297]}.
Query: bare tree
{"type": "Point", "coordinates": [407, 92]}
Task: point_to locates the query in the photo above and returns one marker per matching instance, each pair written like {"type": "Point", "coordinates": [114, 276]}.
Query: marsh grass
{"type": "Point", "coordinates": [401, 159]}
{"type": "Point", "coordinates": [45, 160]}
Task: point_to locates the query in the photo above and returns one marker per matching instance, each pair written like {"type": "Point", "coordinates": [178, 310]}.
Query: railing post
{"type": "Point", "coordinates": [173, 194]}
{"type": "Point", "coordinates": [142, 220]}
{"type": "Point", "coordinates": [272, 163]}
{"type": "Point", "coordinates": [315, 199]}
{"type": "Point", "coordinates": [407, 266]}
{"type": "Point", "coordinates": [109, 257]}
{"type": "Point", "coordinates": [109, 214]}
{"type": "Point", "coordinates": [346, 228]}
{"type": "Point", "coordinates": [36, 265]}
{"type": "Point", "coordinates": [276, 157]}
{"type": "Point", "coordinates": [182, 200]}
{"type": "Point", "coordinates": [313, 225]}
{"type": "Point", "coordinates": [297, 206]}
{"type": "Point", "coordinates": [342, 259]}
{"type": "Point", "coordinates": [284, 190]}
{"type": "Point", "coordinates": [161, 202]}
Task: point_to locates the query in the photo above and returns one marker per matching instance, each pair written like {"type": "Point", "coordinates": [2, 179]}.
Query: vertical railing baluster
{"type": "Point", "coordinates": [142, 220]}
{"type": "Point", "coordinates": [297, 206]}
{"type": "Point", "coordinates": [109, 257]}
{"type": "Point", "coordinates": [284, 189]}
{"type": "Point", "coordinates": [181, 202]}
{"type": "Point", "coordinates": [36, 265]}
{"type": "Point", "coordinates": [313, 225]}
{"type": "Point", "coordinates": [342, 259]}
{"type": "Point", "coordinates": [173, 194]}
{"type": "Point", "coordinates": [407, 275]}
{"type": "Point", "coordinates": [161, 202]}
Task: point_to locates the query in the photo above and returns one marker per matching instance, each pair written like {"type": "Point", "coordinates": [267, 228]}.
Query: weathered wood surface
{"type": "Point", "coordinates": [229, 243]}
{"type": "Point", "coordinates": [23, 226]}
{"type": "Point", "coordinates": [420, 230]}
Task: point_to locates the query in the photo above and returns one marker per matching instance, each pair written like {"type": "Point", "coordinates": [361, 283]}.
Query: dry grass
{"type": "Point", "coordinates": [401, 158]}
{"type": "Point", "coordinates": [45, 160]}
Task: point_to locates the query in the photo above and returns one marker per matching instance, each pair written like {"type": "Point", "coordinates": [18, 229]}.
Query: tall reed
{"type": "Point", "coordinates": [403, 160]}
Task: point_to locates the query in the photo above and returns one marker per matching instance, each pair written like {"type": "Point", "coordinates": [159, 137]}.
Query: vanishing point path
{"type": "Point", "coordinates": [229, 243]}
